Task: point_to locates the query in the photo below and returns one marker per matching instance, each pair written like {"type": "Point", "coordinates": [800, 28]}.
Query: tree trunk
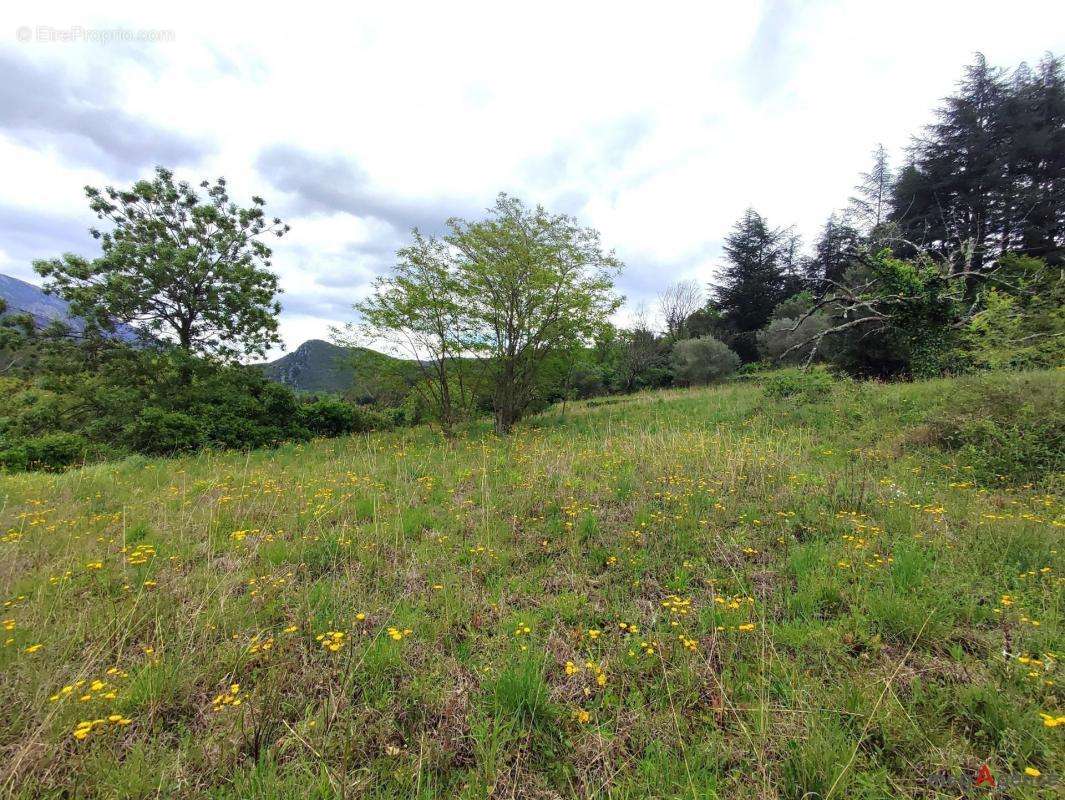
{"type": "Point", "coordinates": [504, 417]}
{"type": "Point", "coordinates": [185, 335]}
{"type": "Point", "coordinates": [505, 401]}
{"type": "Point", "coordinates": [185, 343]}
{"type": "Point", "coordinates": [447, 412]}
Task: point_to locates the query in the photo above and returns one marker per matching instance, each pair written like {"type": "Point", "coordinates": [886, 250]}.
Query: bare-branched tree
{"type": "Point", "coordinates": [676, 303]}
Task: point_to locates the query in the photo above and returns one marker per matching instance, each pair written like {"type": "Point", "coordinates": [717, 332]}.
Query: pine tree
{"type": "Point", "coordinates": [870, 204]}
{"type": "Point", "coordinates": [753, 281]}
{"type": "Point", "coordinates": [1037, 159]}
{"type": "Point", "coordinates": [989, 176]}
{"type": "Point", "coordinates": [958, 169]}
{"type": "Point", "coordinates": [834, 251]}
{"type": "Point", "coordinates": [793, 265]}
{"type": "Point", "coordinates": [914, 210]}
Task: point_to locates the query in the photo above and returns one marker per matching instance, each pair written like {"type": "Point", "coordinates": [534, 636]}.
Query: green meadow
{"type": "Point", "coordinates": [685, 593]}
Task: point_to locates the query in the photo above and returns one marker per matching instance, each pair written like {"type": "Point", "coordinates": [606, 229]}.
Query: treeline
{"type": "Point", "coordinates": [952, 263]}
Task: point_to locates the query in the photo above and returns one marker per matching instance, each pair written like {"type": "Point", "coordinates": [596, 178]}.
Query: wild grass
{"type": "Point", "coordinates": [706, 593]}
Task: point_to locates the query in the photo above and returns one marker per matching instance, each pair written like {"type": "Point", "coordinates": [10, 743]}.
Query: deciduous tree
{"type": "Point", "coordinates": [421, 307]}
{"type": "Point", "coordinates": [534, 283]}
{"type": "Point", "coordinates": [676, 303]}
{"type": "Point", "coordinates": [183, 267]}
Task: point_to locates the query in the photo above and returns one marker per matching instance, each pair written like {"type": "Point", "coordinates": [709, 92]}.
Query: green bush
{"type": "Point", "coordinates": [14, 457]}
{"type": "Point", "coordinates": [330, 417]}
{"type": "Point", "coordinates": [373, 419]}
{"type": "Point", "coordinates": [414, 411]}
{"type": "Point", "coordinates": [776, 340]}
{"type": "Point", "coordinates": [237, 407]}
{"type": "Point", "coordinates": [156, 432]}
{"type": "Point", "coordinates": [158, 402]}
{"type": "Point", "coordinates": [803, 385]}
{"type": "Point", "coordinates": [395, 417]}
{"type": "Point", "coordinates": [1005, 432]}
{"type": "Point", "coordinates": [232, 430]}
{"type": "Point", "coordinates": [703, 360]}
{"type": "Point", "coordinates": [51, 453]}
{"type": "Point", "coordinates": [1020, 330]}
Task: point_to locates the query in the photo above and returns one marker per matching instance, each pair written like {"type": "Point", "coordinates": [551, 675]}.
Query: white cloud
{"type": "Point", "coordinates": [657, 124]}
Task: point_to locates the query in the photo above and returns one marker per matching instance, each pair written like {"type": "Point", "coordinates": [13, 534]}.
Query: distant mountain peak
{"type": "Point", "coordinates": [320, 366]}
{"type": "Point", "coordinates": [23, 297]}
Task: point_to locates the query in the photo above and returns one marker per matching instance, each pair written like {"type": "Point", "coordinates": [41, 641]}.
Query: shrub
{"type": "Point", "coordinates": [414, 411]}
{"type": "Point", "coordinates": [240, 409]}
{"type": "Point", "coordinates": [1005, 432]}
{"type": "Point", "coordinates": [752, 371]}
{"type": "Point", "coordinates": [703, 360]}
{"type": "Point", "coordinates": [248, 431]}
{"type": "Point", "coordinates": [804, 385]}
{"type": "Point", "coordinates": [13, 457]}
{"type": "Point", "coordinates": [373, 419]}
{"type": "Point", "coordinates": [331, 417]}
{"type": "Point", "coordinates": [52, 452]}
{"type": "Point", "coordinates": [777, 338]}
{"type": "Point", "coordinates": [156, 402]}
{"type": "Point", "coordinates": [156, 432]}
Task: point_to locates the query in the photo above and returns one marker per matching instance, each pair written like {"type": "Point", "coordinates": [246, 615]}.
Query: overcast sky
{"type": "Point", "coordinates": [657, 123]}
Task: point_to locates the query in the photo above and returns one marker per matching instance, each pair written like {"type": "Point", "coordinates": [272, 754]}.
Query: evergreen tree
{"type": "Point", "coordinates": [793, 265]}
{"type": "Point", "coordinates": [958, 169]}
{"type": "Point", "coordinates": [1037, 160]}
{"type": "Point", "coordinates": [834, 251]}
{"type": "Point", "coordinates": [988, 177]}
{"type": "Point", "coordinates": [914, 210]}
{"type": "Point", "coordinates": [753, 281]}
{"type": "Point", "coordinates": [870, 204]}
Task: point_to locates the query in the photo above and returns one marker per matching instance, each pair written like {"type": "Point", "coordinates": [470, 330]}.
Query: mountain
{"type": "Point", "coordinates": [318, 366]}
{"type": "Point", "coordinates": [25, 298]}
{"type": "Point", "coordinates": [314, 366]}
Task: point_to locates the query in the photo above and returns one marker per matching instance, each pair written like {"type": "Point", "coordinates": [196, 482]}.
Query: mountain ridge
{"type": "Point", "coordinates": [23, 297]}
{"type": "Point", "coordinates": [321, 366]}
{"type": "Point", "coordinates": [314, 366]}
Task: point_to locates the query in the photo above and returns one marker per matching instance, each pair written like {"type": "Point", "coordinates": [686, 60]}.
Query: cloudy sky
{"type": "Point", "coordinates": [656, 123]}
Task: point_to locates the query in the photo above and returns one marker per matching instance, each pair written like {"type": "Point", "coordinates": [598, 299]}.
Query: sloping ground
{"type": "Point", "coordinates": [683, 594]}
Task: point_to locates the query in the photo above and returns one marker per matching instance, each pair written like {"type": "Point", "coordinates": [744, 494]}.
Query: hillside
{"type": "Point", "coordinates": [319, 366]}
{"type": "Point", "coordinates": [707, 593]}
{"type": "Point", "coordinates": [25, 298]}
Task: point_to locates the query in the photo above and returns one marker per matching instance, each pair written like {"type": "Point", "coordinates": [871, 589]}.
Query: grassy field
{"type": "Point", "coordinates": [682, 594]}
